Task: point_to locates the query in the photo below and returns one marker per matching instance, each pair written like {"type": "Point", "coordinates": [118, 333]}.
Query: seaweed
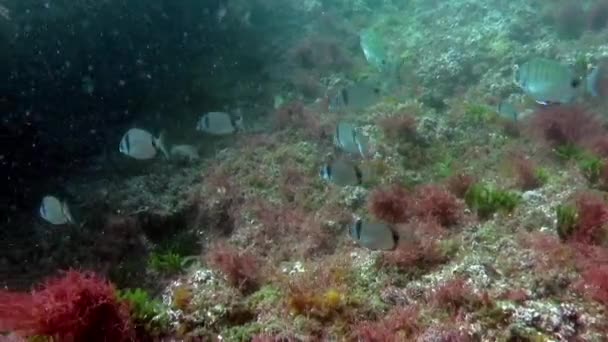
{"type": "Point", "coordinates": [486, 200]}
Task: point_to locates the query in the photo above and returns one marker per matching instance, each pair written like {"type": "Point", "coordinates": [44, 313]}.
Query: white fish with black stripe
{"type": "Point", "coordinates": [349, 139]}
{"type": "Point", "coordinates": [140, 144]}
{"type": "Point", "coordinates": [55, 211]}
{"type": "Point", "coordinates": [219, 123]}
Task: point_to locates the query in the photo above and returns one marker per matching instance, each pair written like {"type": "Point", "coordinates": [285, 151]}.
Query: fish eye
{"type": "Point", "coordinates": [575, 83]}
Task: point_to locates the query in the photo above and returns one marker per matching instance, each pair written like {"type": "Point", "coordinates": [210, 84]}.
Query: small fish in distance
{"type": "Point", "coordinates": [373, 235]}
{"type": "Point", "coordinates": [55, 211]}
{"type": "Point", "coordinates": [140, 144]}
{"type": "Point", "coordinates": [356, 96]}
{"type": "Point", "coordinates": [347, 138]}
{"type": "Point", "coordinates": [219, 123]}
{"type": "Point", "coordinates": [342, 173]}
{"type": "Point", "coordinates": [374, 49]}
{"type": "Point", "coordinates": [507, 110]}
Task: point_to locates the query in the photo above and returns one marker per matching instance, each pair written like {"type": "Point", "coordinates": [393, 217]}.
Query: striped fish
{"type": "Point", "coordinates": [347, 138]}
{"type": "Point", "coordinates": [547, 81]}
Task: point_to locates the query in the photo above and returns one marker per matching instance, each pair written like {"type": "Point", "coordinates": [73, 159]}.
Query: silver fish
{"type": "Point", "coordinates": [507, 110]}
{"type": "Point", "coordinates": [350, 140]}
{"type": "Point", "coordinates": [356, 96]}
{"type": "Point", "coordinates": [373, 235]}
{"type": "Point", "coordinates": [374, 49]}
{"type": "Point", "coordinates": [547, 81]}
{"type": "Point", "coordinates": [219, 123]}
{"type": "Point", "coordinates": [55, 211]}
{"type": "Point", "coordinates": [342, 173]}
{"type": "Point", "coordinates": [140, 144]}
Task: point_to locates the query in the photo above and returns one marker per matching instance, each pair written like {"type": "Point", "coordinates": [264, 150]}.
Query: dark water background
{"type": "Point", "coordinates": [149, 61]}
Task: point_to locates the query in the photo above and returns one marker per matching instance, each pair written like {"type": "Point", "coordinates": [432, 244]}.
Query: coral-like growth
{"type": "Point", "coordinates": [399, 127]}
{"type": "Point", "coordinates": [240, 268]}
{"type": "Point", "coordinates": [76, 306]}
{"type": "Point", "coordinates": [565, 125]}
{"type": "Point", "coordinates": [392, 205]}
{"type": "Point", "coordinates": [400, 324]}
{"type": "Point", "coordinates": [529, 175]}
{"type": "Point", "coordinates": [437, 203]}
{"type": "Point", "coordinates": [460, 183]}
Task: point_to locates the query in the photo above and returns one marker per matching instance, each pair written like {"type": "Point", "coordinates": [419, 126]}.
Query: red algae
{"type": "Point", "coordinates": [77, 306]}
{"type": "Point", "coordinates": [454, 296]}
{"type": "Point", "coordinates": [437, 203]}
{"type": "Point", "coordinates": [400, 324]}
{"type": "Point", "coordinates": [565, 125]}
{"type": "Point", "coordinates": [526, 171]}
{"type": "Point", "coordinates": [392, 205]}
{"type": "Point", "coordinates": [460, 183]}
{"type": "Point", "coordinates": [398, 126]}
{"type": "Point", "coordinates": [240, 268]}
{"type": "Point", "coordinates": [592, 222]}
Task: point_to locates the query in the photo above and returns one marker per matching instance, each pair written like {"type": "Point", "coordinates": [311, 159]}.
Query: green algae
{"type": "Point", "coordinates": [567, 216]}
{"type": "Point", "coordinates": [166, 262]}
{"type": "Point", "coordinates": [486, 200]}
{"type": "Point", "coordinates": [146, 311]}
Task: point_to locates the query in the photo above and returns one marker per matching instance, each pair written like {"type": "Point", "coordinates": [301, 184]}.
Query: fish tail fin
{"type": "Point", "coordinates": [68, 215]}
{"type": "Point", "coordinates": [591, 82]}
{"type": "Point", "coordinates": [161, 144]}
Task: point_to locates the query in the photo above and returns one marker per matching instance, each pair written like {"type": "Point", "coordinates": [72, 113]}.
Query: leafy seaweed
{"type": "Point", "coordinates": [146, 312]}
{"type": "Point", "coordinates": [486, 200]}
{"type": "Point", "coordinates": [566, 220]}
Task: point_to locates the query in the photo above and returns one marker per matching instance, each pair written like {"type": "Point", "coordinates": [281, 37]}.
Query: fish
{"type": "Point", "coordinates": [347, 137]}
{"type": "Point", "coordinates": [140, 144]}
{"type": "Point", "coordinates": [184, 152]}
{"type": "Point", "coordinates": [597, 80]}
{"type": "Point", "coordinates": [342, 173]}
{"type": "Point", "coordinates": [356, 96]}
{"type": "Point", "coordinates": [374, 49]}
{"type": "Point", "coordinates": [55, 211]}
{"type": "Point", "coordinates": [219, 123]}
{"type": "Point", "coordinates": [547, 81]}
{"type": "Point", "coordinates": [373, 235]}
{"type": "Point", "coordinates": [507, 111]}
